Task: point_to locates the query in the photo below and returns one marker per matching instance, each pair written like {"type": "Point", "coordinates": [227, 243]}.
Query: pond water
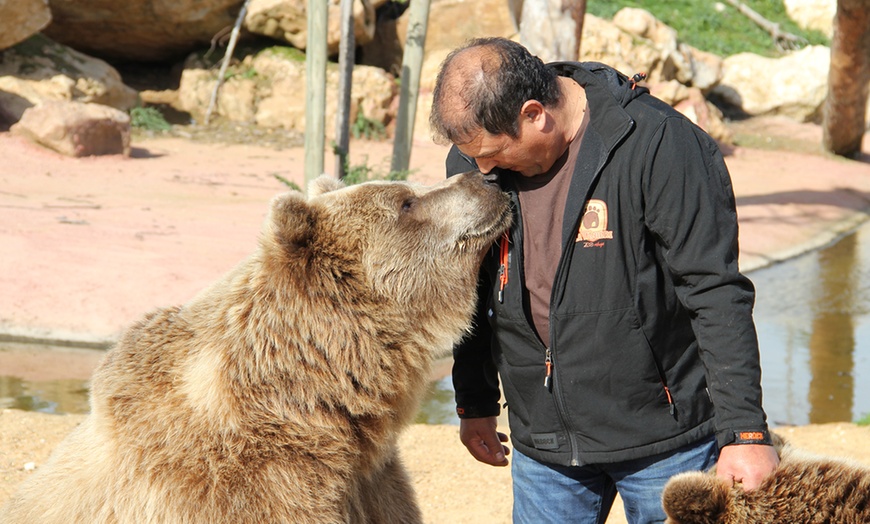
{"type": "Point", "coordinates": [49, 379]}
{"type": "Point", "coordinates": [813, 318]}
{"type": "Point", "coordinates": [812, 314]}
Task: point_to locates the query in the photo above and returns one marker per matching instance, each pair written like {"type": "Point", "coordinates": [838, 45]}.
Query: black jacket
{"type": "Point", "coordinates": [653, 345]}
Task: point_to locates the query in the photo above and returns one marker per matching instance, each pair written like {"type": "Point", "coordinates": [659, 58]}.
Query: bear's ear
{"type": "Point", "coordinates": [324, 184]}
{"type": "Point", "coordinates": [695, 498]}
{"type": "Point", "coordinates": [291, 220]}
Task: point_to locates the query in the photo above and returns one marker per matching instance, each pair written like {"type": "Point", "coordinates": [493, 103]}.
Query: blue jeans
{"type": "Point", "coordinates": [546, 493]}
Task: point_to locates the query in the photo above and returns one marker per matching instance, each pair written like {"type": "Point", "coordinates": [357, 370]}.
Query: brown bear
{"type": "Point", "coordinates": [804, 488]}
{"type": "Point", "coordinates": [277, 394]}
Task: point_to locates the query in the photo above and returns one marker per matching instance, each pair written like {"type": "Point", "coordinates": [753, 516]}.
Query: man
{"type": "Point", "coordinates": [614, 315]}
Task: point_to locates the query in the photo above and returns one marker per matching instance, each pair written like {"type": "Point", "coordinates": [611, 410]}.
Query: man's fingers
{"type": "Point", "coordinates": [483, 441]}
{"type": "Point", "coordinates": [492, 453]}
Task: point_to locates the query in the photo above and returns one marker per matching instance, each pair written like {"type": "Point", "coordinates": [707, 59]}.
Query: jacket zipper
{"type": "Point", "coordinates": [671, 406]}
{"type": "Point", "coordinates": [548, 363]}
{"type": "Point", "coordinates": [504, 265]}
{"type": "Point", "coordinates": [561, 408]}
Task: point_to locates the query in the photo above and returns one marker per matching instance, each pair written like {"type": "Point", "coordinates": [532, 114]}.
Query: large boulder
{"type": "Point", "coordinates": [287, 21]}
{"type": "Point", "coordinates": [140, 30]}
{"type": "Point", "coordinates": [794, 85]}
{"type": "Point", "coordinates": [635, 41]}
{"type": "Point", "coordinates": [268, 89]}
{"type": "Point", "coordinates": [39, 70]}
{"type": "Point", "coordinates": [76, 129]}
{"type": "Point", "coordinates": [21, 19]}
{"type": "Point", "coordinates": [813, 14]}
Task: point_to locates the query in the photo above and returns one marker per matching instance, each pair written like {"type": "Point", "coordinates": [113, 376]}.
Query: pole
{"type": "Point", "coordinates": [412, 63]}
{"type": "Point", "coordinates": [345, 65]}
{"type": "Point", "coordinates": [315, 89]}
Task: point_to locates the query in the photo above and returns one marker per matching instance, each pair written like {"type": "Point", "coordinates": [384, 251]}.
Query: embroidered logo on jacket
{"type": "Point", "coordinates": [593, 225]}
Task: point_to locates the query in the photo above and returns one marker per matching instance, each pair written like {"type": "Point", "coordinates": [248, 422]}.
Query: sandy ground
{"type": "Point", "coordinates": [89, 245]}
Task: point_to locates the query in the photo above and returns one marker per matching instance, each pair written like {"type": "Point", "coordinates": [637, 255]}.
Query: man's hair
{"type": "Point", "coordinates": [488, 90]}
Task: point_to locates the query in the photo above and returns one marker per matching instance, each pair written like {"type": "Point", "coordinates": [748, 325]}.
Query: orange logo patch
{"type": "Point", "coordinates": [593, 225]}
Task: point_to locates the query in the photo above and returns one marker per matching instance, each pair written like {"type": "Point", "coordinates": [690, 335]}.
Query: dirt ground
{"type": "Point", "coordinates": [89, 245]}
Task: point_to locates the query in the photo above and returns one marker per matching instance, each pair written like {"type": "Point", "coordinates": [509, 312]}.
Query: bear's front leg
{"type": "Point", "coordinates": [386, 496]}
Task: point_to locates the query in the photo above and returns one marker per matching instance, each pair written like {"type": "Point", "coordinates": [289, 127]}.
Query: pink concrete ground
{"type": "Point", "coordinates": [89, 245]}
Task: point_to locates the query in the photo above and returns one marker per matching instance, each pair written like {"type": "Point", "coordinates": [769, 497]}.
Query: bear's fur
{"type": "Point", "coordinates": [277, 394]}
{"type": "Point", "coordinates": [804, 488]}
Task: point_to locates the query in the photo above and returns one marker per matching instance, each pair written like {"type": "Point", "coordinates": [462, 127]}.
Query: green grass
{"type": "Point", "coordinates": [366, 128]}
{"type": "Point", "coordinates": [148, 118]}
{"type": "Point", "coordinates": [724, 32]}
{"type": "Point", "coordinates": [359, 173]}
{"type": "Point", "coordinates": [864, 421]}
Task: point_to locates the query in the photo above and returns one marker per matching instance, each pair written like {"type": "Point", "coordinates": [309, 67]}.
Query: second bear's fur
{"type": "Point", "coordinates": [805, 488]}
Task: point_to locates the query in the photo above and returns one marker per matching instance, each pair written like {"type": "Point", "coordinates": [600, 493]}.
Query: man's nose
{"type": "Point", "coordinates": [485, 165]}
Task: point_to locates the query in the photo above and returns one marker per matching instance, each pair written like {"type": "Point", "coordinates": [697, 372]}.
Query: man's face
{"type": "Point", "coordinates": [502, 151]}
{"type": "Point", "coordinates": [532, 152]}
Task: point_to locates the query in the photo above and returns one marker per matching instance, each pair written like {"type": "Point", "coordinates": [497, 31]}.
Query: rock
{"type": "Point", "coordinates": [707, 68]}
{"type": "Point", "coordinates": [76, 129]}
{"type": "Point", "coordinates": [813, 14]}
{"type": "Point", "coordinates": [21, 19]}
{"type": "Point", "coordinates": [287, 21]}
{"type": "Point", "coordinates": [794, 85]}
{"type": "Point", "coordinates": [39, 70]}
{"type": "Point", "coordinates": [452, 22]}
{"type": "Point", "coordinates": [548, 30]}
{"type": "Point", "coordinates": [387, 47]}
{"type": "Point", "coordinates": [140, 30]}
{"type": "Point", "coordinates": [269, 91]}
{"type": "Point", "coordinates": [642, 23]}
{"type": "Point", "coordinates": [654, 48]}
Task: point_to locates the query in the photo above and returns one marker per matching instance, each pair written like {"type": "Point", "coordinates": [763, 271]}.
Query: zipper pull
{"type": "Point", "coordinates": [504, 259]}
{"type": "Point", "coordinates": [548, 363]}
{"type": "Point", "coordinates": [671, 407]}
{"type": "Point", "coordinates": [501, 278]}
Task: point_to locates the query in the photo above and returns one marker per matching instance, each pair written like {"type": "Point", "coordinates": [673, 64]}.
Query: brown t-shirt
{"type": "Point", "coordinates": [542, 200]}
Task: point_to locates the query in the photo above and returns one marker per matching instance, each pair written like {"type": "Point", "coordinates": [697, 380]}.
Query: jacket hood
{"type": "Point", "coordinates": [589, 74]}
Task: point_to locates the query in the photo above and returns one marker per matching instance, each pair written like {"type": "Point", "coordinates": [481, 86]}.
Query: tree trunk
{"type": "Point", "coordinates": [551, 29]}
{"type": "Point", "coordinates": [578, 13]}
{"type": "Point", "coordinates": [848, 79]}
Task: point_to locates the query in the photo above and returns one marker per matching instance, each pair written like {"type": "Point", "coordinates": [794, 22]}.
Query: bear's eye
{"type": "Point", "coordinates": [407, 205]}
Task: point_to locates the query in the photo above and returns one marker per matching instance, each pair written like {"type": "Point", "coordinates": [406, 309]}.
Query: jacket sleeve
{"type": "Point", "coordinates": [475, 379]}
{"type": "Point", "coordinates": [690, 208]}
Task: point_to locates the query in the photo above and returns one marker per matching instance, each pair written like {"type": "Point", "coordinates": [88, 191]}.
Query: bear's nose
{"type": "Point", "coordinates": [490, 178]}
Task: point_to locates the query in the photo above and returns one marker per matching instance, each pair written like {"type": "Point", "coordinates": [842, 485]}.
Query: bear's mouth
{"type": "Point", "coordinates": [488, 232]}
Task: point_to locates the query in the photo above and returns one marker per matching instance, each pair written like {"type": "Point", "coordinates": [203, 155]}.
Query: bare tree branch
{"type": "Point", "coordinates": [234, 36]}
{"type": "Point", "coordinates": [782, 40]}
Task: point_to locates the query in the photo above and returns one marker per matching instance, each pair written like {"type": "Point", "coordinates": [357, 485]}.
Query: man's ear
{"type": "Point", "coordinates": [533, 112]}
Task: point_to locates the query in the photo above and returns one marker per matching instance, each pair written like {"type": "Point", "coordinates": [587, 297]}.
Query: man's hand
{"type": "Point", "coordinates": [748, 464]}
{"type": "Point", "coordinates": [483, 441]}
